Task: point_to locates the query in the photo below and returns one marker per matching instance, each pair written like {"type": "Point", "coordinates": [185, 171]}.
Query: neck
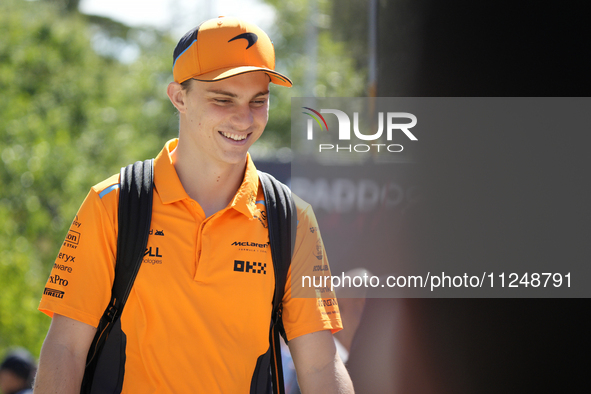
{"type": "Point", "coordinates": [212, 184]}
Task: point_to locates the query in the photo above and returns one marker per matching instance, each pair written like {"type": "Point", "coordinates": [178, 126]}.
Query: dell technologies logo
{"type": "Point", "coordinates": [344, 131]}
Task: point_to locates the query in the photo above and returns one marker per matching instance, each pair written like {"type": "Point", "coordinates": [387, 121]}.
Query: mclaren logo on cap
{"type": "Point", "coordinates": [250, 37]}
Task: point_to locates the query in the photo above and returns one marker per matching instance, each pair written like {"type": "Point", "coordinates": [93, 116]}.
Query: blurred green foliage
{"type": "Point", "coordinates": [336, 74]}
{"type": "Point", "coordinates": [81, 96]}
{"type": "Point", "coordinates": [69, 118]}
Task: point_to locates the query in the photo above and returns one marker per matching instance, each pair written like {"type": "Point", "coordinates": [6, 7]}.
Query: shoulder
{"type": "Point", "coordinates": [303, 207]}
{"type": "Point", "coordinates": [107, 191]}
{"type": "Point", "coordinates": [102, 201]}
{"type": "Point", "coordinates": [106, 186]}
{"type": "Point", "coordinates": [305, 213]}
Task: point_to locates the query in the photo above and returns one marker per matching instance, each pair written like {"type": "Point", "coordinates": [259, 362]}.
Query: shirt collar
{"type": "Point", "coordinates": [166, 180]}
{"type": "Point", "coordinates": [245, 199]}
{"type": "Point", "coordinates": [170, 188]}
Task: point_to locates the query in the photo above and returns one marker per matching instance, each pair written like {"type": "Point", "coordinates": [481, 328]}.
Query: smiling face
{"type": "Point", "coordinates": [221, 120]}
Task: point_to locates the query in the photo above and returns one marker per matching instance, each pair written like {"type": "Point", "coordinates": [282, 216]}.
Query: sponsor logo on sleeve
{"type": "Point", "coordinates": [318, 251]}
{"type": "Point", "coordinates": [53, 293]}
{"type": "Point", "coordinates": [62, 267]}
{"type": "Point", "coordinates": [57, 280]}
{"type": "Point", "coordinates": [72, 239]}
{"type": "Point", "coordinates": [66, 257]}
{"type": "Point", "coordinates": [328, 302]}
{"type": "Point", "coordinates": [76, 223]}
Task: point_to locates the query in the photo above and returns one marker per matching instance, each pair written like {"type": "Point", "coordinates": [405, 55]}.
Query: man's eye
{"type": "Point", "coordinates": [222, 101]}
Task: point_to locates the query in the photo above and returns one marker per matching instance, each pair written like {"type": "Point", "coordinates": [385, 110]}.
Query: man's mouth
{"type": "Point", "coordinates": [235, 137]}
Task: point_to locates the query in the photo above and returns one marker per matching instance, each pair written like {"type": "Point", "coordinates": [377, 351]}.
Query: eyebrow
{"type": "Point", "coordinates": [233, 95]}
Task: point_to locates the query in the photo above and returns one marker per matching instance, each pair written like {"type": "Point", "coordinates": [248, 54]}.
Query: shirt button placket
{"type": "Point", "coordinates": [198, 215]}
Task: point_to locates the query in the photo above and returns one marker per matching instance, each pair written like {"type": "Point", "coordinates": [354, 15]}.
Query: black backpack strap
{"type": "Point", "coordinates": [135, 215]}
{"type": "Point", "coordinates": [282, 222]}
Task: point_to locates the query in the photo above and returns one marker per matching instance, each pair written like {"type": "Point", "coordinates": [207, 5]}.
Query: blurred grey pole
{"type": "Point", "coordinates": [311, 57]}
{"type": "Point", "coordinates": [311, 49]}
{"type": "Point", "coordinates": [373, 48]}
{"type": "Point", "coordinates": [372, 82]}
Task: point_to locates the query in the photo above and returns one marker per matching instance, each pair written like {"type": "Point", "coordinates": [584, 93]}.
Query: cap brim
{"type": "Point", "coordinates": [223, 73]}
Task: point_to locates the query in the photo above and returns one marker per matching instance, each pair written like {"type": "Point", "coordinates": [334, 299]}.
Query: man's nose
{"type": "Point", "coordinates": [242, 118]}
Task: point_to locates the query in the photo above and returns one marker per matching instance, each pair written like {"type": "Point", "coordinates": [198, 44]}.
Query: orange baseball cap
{"type": "Point", "coordinates": [224, 47]}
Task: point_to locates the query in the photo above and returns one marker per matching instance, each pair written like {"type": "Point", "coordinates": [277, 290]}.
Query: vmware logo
{"type": "Point", "coordinates": [394, 125]}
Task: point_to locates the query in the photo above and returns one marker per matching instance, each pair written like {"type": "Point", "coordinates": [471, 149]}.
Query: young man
{"type": "Point", "coordinates": [194, 323]}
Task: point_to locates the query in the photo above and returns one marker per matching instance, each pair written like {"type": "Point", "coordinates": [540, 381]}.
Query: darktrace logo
{"type": "Point", "coordinates": [156, 232]}
{"type": "Point", "coordinates": [247, 266]}
{"type": "Point", "coordinates": [344, 131]}
{"type": "Point", "coordinates": [53, 293]}
{"type": "Point", "coordinates": [320, 268]}
{"type": "Point", "coordinates": [250, 37]}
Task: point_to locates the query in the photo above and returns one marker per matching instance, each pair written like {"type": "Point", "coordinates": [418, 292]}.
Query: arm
{"type": "Point", "coordinates": [318, 366]}
{"type": "Point", "coordinates": [63, 356]}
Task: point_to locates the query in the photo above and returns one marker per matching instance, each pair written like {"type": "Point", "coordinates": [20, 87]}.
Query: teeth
{"type": "Point", "coordinates": [235, 137]}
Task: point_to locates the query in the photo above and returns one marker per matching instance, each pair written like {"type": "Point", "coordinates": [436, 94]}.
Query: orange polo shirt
{"type": "Point", "coordinates": [198, 315]}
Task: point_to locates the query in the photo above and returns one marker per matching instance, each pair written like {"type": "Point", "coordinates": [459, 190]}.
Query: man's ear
{"type": "Point", "coordinates": [177, 97]}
